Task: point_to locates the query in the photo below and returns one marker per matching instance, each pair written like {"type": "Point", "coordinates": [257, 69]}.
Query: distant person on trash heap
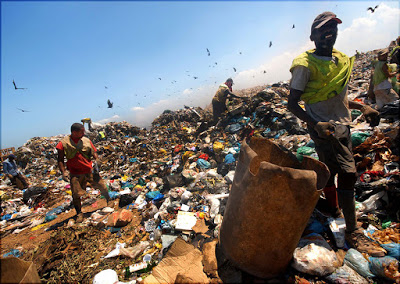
{"type": "Point", "coordinates": [79, 152]}
{"type": "Point", "coordinates": [395, 53]}
{"type": "Point", "coordinates": [319, 78]}
{"type": "Point", "coordinates": [381, 80]}
{"type": "Point", "coordinates": [10, 169]}
{"type": "Point", "coordinates": [219, 99]}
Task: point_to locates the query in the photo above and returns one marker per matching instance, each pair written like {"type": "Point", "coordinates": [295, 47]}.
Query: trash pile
{"type": "Point", "coordinates": [171, 185]}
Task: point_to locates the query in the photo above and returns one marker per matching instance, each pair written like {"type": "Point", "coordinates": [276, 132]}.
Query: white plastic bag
{"type": "Point", "coordinates": [314, 256]}
{"type": "Point", "coordinates": [107, 276]}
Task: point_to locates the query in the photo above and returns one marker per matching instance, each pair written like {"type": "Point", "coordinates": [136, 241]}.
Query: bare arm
{"type": "Point", "coordinates": [60, 160]}
{"type": "Point", "coordinates": [229, 93]}
{"type": "Point", "coordinates": [293, 106]}
{"type": "Point", "coordinates": [386, 71]}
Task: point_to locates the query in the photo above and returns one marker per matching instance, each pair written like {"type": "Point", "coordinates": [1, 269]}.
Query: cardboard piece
{"type": "Point", "coordinates": [15, 270]}
{"type": "Point", "coordinates": [200, 227]}
{"type": "Point", "coordinates": [182, 262]}
{"type": "Point", "coordinates": [209, 259]}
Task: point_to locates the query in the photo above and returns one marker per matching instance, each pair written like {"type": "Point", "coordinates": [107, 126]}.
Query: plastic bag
{"type": "Point", "coordinates": [203, 164]}
{"type": "Point", "coordinates": [304, 151]}
{"type": "Point", "coordinates": [314, 256]}
{"type": "Point", "coordinates": [346, 275]}
{"type": "Point", "coordinates": [113, 194]}
{"type": "Point", "coordinates": [393, 250]}
{"type": "Point", "coordinates": [105, 277]}
{"type": "Point", "coordinates": [125, 199]}
{"type": "Point", "coordinates": [358, 138]}
{"type": "Point", "coordinates": [356, 261]}
{"type": "Point", "coordinates": [387, 267]}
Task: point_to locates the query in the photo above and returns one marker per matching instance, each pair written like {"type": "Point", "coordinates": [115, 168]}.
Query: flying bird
{"type": "Point", "coordinates": [15, 86]}
{"type": "Point", "coordinates": [270, 43]}
{"type": "Point", "coordinates": [240, 52]}
{"type": "Point", "coordinates": [234, 69]}
{"type": "Point", "coordinates": [265, 72]}
{"type": "Point", "coordinates": [159, 78]}
{"type": "Point", "coordinates": [293, 26]}
{"type": "Point", "coordinates": [105, 87]}
{"type": "Point", "coordinates": [110, 104]}
{"type": "Point", "coordinates": [215, 63]}
{"type": "Point", "coordinates": [372, 9]}
{"type": "Point", "coordinates": [23, 110]}
{"type": "Point", "coordinates": [195, 77]}
{"type": "Point", "coordinates": [208, 52]}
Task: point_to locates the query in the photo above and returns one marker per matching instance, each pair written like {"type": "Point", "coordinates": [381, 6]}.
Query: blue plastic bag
{"type": "Point", "coordinates": [377, 265]}
{"type": "Point", "coordinates": [152, 194]}
{"type": "Point", "coordinates": [393, 250]}
{"type": "Point", "coordinates": [203, 164]}
{"type": "Point", "coordinates": [113, 194]}
{"type": "Point", "coordinates": [13, 252]}
{"type": "Point", "coordinates": [229, 159]}
{"type": "Point", "coordinates": [356, 261]}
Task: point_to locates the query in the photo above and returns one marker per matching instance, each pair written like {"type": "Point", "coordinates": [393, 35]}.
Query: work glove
{"type": "Point", "coordinates": [324, 129]}
{"type": "Point", "coordinates": [371, 115]}
{"type": "Point", "coordinates": [65, 176]}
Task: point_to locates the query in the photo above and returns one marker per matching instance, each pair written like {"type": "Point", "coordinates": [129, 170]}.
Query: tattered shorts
{"type": "Point", "coordinates": [336, 151]}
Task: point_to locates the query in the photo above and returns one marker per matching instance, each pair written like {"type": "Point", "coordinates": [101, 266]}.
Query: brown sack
{"type": "Point", "coordinates": [15, 270]}
{"type": "Point", "coordinates": [272, 198]}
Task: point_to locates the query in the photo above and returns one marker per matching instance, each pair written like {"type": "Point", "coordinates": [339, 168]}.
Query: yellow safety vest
{"type": "Point", "coordinates": [220, 94]}
{"type": "Point", "coordinates": [327, 79]}
{"type": "Point", "coordinates": [71, 148]}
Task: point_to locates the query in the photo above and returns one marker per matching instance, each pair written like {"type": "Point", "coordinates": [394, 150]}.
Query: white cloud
{"type": "Point", "coordinates": [187, 91]}
{"type": "Point", "coordinates": [110, 119]}
{"type": "Point", "coordinates": [373, 31]}
{"type": "Point", "coordinates": [137, 108]}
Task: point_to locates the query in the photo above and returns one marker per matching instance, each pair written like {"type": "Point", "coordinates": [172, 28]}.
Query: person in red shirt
{"type": "Point", "coordinates": [79, 152]}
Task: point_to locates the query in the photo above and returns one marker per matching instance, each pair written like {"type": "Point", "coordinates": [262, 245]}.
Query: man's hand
{"type": "Point", "coordinates": [324, 129]}
{"type": "Point", "coordinates": [9, 176]}
{"type": "Point", "coordinates": [65, 176]}
{"type": "Point", "coordinates": [371, 115]}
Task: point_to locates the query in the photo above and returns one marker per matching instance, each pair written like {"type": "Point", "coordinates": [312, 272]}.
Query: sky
{"type": "Point", "coordinates": [149, 56]}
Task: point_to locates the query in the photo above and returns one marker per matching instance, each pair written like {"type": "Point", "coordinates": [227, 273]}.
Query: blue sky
{"type": "Point", "coordinates": [67, 53]}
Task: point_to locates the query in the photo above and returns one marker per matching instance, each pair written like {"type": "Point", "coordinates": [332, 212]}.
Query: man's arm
{"type": "Point", "coordinates": [60, 162]}
{"type": "Point", "coordinates": [293, 106]}
{"type": "Point", "coordinates": [387, 72]}
{"type": "Point", "coordinates": [370, 114]}
{"type": "Point", "coordinates": [229, 93]}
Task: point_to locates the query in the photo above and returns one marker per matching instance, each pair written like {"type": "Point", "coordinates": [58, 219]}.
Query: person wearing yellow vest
{"type": "Point", "coordinates": [219, 100]}
{"type": "Point", "coordinates": [319, 78]}
{"type": "Point", "coordinates": [382, 86]}
{"type": "Point", "coordinates": [79, 152]}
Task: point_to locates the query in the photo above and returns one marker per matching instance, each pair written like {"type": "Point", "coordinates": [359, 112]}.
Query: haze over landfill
{"type": "Point", "coordinates": [68, 59]}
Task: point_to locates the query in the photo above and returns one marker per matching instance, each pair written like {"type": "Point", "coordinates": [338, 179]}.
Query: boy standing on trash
{"type": "Point", "coordinates": [319, 78]}
{"type": "Point", "coordinates": [79, 152]}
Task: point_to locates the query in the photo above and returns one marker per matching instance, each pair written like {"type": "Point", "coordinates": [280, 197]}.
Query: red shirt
{"type": "Point", "coordinates": [78, 165]}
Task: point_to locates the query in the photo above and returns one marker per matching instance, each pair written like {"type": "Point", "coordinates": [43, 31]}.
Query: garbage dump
{"type": "Point", "coordinates": [175, 184]}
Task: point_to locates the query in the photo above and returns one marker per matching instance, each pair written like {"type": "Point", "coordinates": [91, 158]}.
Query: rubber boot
{"type": "Point", "coordinates": [348, 204]}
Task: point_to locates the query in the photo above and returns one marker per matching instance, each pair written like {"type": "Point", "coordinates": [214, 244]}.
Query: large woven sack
{"type": "Point", "coordinates": [272, 198]}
